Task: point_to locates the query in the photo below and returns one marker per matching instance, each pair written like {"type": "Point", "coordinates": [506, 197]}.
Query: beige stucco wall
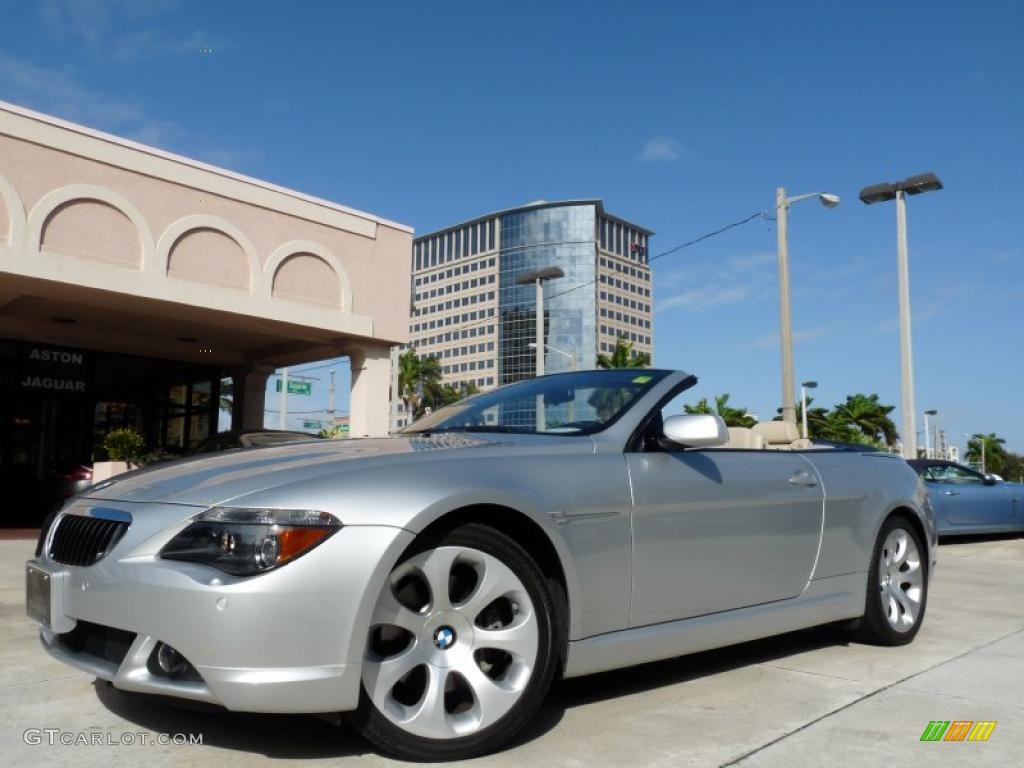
{"type": "Point", "coordinates": [112, 245]}
{"type": "Point", "coordinates": [369, 256]}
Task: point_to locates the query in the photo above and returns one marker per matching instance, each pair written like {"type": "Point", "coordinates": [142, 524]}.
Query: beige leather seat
{"type": "Point", "coordinates": [777, 435]}
{"type": "Point", "coordinates": [741, 437]}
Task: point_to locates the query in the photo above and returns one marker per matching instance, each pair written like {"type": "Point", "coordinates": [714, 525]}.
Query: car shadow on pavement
{"type": "Point", "coordinates": [578, 691]}
{"type": "Point", "coordinates": [975, 538]}
{"type": "Point", "coordinates": [274, 736]}
{"type": "Point", "coordinates": [304, 736]}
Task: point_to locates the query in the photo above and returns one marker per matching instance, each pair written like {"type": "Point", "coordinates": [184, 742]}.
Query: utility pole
{"type": "Point", "coordinates": [782, 204]}
{"type": "Point", "coordinates": [283, 400]}
{"type": "Point", "coordinates": [396, 396]}
{"type": "Point", "coordinates": [785, 322]}
{"type": "Point", "coordinates": [330, 401]}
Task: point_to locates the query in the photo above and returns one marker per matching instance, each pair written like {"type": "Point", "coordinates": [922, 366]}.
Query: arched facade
{"type": "Point", "coordinates": [12, 215]}
{"type": "Point", "coordinates": [211, 250]}
{"type": "Point", "coordinates": [106, 226]}
{"type": "Point", "coordinates": [293, 267]}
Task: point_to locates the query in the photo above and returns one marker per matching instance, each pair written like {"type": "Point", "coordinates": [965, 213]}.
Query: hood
{"type": "Point", "coordinates": [220, 477]}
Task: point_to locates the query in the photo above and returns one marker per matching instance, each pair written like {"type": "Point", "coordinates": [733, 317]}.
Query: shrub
{"type": "Point", "coordinates": [124, 444]}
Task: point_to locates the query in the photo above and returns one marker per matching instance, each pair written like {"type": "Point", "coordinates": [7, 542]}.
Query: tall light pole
{"type": "Point", "coordinates": [538, 277]}
{"type": "Point", "coordinates": [782, 204]}
{"type": "Point", "coordinates": [804, 386]}
{"type": "Point", "coordinates": [928, 434]}
{"type": "Point", "coordinates": [548, 348]}
{"type": "Point", "coordinates": [879, 193]}
{"type": "Point", "coordinates": [283, 400]}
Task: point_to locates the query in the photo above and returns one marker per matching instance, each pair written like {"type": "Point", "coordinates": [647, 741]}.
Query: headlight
{"type": "Point", "coordinates": [245, 542]}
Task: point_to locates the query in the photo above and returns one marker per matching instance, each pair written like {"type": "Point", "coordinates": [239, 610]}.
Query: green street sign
{"type": "Point", "coordinates": [297, 387]}
{"type": "Point", "coordinates": [311, 425]}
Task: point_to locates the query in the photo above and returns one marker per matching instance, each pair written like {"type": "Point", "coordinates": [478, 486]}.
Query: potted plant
{"type": "Point", "coordinates": [124, 449]}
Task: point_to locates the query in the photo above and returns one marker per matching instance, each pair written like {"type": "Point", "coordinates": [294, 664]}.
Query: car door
{"type": "Point", "coordinates": [961, 496]}
{"type": "Point", "coordinates": [716, 529]}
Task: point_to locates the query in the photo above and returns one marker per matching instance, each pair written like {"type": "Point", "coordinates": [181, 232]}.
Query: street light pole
{"type": "Point", "coordinates": [283, 400]}
{"type": "Point", "coordinates": [906, 354]}
{"type": "Point", "coordinates": [538, 277]}
{"type": "Point", "coordinates": [782, 204]}
{"type": "Point", "coordinates": [548, 348]}
{"type": "Point", "coordinates": [804, 386]}
{"type": "Point", "coordinates": [928, 444]}
{"type": "Point", "coordinates": [539, 328]}
{"type": "Point", "coordinates": [785, 322]}
{"type": "Point", "coordinates": [877, 193]}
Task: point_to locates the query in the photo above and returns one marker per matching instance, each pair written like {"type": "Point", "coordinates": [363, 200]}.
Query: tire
{"type": "Point", "coordinates": [897, 592]}
{"type": "Point", "coordinates": [436, 686]}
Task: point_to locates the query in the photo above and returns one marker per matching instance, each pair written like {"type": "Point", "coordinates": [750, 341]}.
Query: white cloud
{"type": "Point", "coordinates": [125, 30]}
{"type": "Point", "coordinates": [699, 299]}
{"type": "Point", "coordinates": [752, 261]}
{"type": "Point", "coordinates": [771, 340]}
{"type": "Point", "coordinates": [56, 92]}
{"type": "Point", "coordinates": [661, 149]}
{"type": "Point", "coordinates": [719, 283]}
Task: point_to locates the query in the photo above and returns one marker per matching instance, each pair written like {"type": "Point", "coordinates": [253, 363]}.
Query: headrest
{"type": "Point", "coordinates": [776, 432]}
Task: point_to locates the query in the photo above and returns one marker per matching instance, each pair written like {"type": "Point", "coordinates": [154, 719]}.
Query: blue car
{"type": "Point", "coordinates": [966, 501]}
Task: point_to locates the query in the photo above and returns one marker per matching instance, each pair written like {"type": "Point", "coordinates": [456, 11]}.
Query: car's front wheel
{"type": "Point", "coordinates": [897, 585]}
{"type": "Point", "coordinates": [462, 648]}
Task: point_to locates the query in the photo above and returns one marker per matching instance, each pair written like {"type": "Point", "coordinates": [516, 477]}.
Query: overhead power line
{"type": "Point", "coordinates": [669, 252]}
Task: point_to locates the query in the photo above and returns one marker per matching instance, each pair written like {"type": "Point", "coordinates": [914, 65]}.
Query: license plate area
{"type": "Point", "coordinates": [43, 598]}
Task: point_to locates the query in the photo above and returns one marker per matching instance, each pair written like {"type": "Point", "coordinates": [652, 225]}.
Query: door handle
{"type": "Point", "coordinates": [803, 477]}
{"type": "Point", "coordinates": [952, 493]}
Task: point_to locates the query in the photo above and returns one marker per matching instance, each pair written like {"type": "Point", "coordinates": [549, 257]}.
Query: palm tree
{"type": "Point", "coordinates": [733, 417]}
{"type": "Point", "coordinates": [870, 417]}
{"type": "Point", "coordinates": [995, 454]}
{"type": "Point", "coordinates": [623, 356]}
{"type": "Point", "coordinates": [820, 424]}
{"type": "Point", "coordinates": [418, 379]}
{"type": "Point", "coordinates": [439, 396]}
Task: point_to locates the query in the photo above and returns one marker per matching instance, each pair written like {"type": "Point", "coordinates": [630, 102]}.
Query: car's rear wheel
{"type": "Point", "coordinates": [462, 648]}
{"type": "Point", "coordinates": [897, 585]}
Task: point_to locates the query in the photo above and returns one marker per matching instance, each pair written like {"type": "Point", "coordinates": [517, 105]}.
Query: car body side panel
{"type": "Point", "coordinates": [860, 492]}
{"type": "Point", "coordinates": [824, 600]}
{"type": "Point", "coordinates": [581, 500]}
{"type": "Point", "coordinates": [969, 504]}
{"type": "Point", "coordinates": [720, 529]}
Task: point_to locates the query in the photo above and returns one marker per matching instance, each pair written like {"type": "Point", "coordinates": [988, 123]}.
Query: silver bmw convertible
{"type": "Point", "coordinates": [433, 584]}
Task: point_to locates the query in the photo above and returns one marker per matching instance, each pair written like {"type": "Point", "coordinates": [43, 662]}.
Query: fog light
{"type": "Point", "coordinates": [169, 660]}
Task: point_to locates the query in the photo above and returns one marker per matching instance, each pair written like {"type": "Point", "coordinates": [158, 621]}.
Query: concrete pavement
{"type": "Point", "coordinates": [808, 698]}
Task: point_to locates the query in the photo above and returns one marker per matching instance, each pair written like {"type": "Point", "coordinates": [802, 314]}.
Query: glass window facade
{"type": "Point", "coordinates": [561, 237]}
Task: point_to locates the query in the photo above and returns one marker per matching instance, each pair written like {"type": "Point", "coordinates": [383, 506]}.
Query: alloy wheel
{"type": "Point", "coordinates": [453, 643]}
{"type": "Point", "coordinates": [900, 580]}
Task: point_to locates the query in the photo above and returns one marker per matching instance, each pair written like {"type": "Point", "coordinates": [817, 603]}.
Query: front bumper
{"type": "Point", "coordinates": [290, 640]}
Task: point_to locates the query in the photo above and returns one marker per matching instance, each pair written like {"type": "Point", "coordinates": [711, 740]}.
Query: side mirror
{"type": "Point", "coordinates": [990, 480]}
{"type": "Point", "coordinates": [698, 430]}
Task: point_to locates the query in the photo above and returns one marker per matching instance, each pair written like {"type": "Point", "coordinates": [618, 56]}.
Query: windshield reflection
{"type": "Point", "coordinates": [562, 404]}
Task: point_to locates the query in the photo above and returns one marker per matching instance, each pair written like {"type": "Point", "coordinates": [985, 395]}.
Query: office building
{"type": "Point", "coordinates": [469, 311]}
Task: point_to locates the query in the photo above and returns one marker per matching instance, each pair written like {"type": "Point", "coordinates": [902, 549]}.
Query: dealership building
{"type": "Point", "coordinates": [133, 281]}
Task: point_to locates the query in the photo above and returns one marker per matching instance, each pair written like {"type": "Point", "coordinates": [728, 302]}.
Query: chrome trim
{"type": "Point", "coordinates": [103, 513]}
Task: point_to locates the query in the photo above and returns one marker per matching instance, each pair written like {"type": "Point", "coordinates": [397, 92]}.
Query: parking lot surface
{"type": "Point", "coordinates": [808, 698]}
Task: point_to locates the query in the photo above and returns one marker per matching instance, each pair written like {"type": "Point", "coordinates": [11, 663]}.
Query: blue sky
{"type": "Point", "coordinates": [681, 116]}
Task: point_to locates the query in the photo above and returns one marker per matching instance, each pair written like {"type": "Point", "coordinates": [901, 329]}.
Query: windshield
{"type": "Point", "coordinates": [563, 404]}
